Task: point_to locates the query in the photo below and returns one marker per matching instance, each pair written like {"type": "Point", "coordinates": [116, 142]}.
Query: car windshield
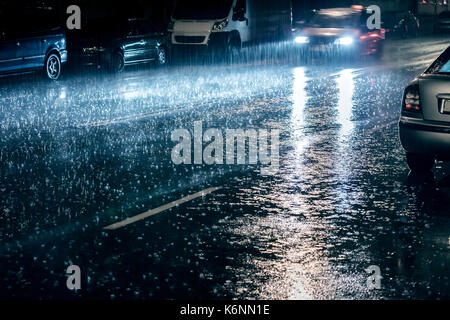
{"type": "Point", "coordinates": [330, 20]}
{"type": "Point", "coordinates": [202, 9]}
{"type": "Point", "coordinates": [441, 65]}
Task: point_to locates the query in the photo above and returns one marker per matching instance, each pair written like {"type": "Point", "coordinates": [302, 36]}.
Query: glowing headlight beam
{"type": "Point", "coordinates": [301, 39]}
{"type": "Point", "coordinates": [345, 41]}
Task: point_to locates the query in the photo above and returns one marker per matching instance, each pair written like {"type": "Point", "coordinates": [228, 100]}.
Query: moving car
{"type": "Point", "coordinates": [425, 120]}
{"type": "Point", "coordinates": [115, 44]}
{"type": "Point", "coordinates": [341, 30]}
{"type": "Point", "coordinates": [229, 24]}
{"type": "Point", "coordinates": [38, 44]}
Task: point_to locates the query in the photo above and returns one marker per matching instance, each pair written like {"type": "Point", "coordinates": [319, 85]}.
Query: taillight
{"type": "Point", "coordinates": [369, 35]}
{"type": "Point", "coordinates": [411, 100]}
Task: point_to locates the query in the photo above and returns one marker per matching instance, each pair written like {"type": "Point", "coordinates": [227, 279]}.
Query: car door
{"type": "Point", "coordinates": [38, 37]}
{"type": "Point", "coordinates": [150, 39]}
{"type": "Point", "coordinates": [30, 42]}
{"type": "Point", "coordinates": [134, 43]}
{"type": "Point", "coordinates": [30, 50]}
{"type": "Point", "coordinates": [9, 58]}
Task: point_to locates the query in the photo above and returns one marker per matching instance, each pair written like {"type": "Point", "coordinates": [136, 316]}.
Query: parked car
{"type": "Point", "coordinates": [31, 41]}
{"type": "Point", "coordinates": [342, 30]}
{"type": "Point", "coordinates": [115, 44]}
{"type": "Point", "coordinates": [443, 23]}
{"type": "Point", "coordinates": [425, 120]}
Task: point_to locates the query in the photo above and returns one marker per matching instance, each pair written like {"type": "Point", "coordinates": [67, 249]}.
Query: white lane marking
{"type": "Point", "coordinates": [165, 207]}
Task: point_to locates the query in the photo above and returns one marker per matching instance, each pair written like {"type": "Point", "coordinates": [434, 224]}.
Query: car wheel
{"type": "Point", "coordinates": [53, 67]}
{"type": "Point", "coordinates": [117, 62]}
{"type": "Point", "coordinates": [162, 58]}
{"type": "Point", "coordinates": [420, 163]}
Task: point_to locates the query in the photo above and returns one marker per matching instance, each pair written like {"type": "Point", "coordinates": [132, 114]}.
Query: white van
{"type": "Point", "coordinates": [229, 23]}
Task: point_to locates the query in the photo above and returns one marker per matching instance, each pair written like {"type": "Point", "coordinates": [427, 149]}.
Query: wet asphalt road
{"type": "Point", "coordinates": [92, 150]}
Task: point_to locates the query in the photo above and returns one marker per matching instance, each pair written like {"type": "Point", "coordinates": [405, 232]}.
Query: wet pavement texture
{"type": "Point", "coordinates": [91, 150]}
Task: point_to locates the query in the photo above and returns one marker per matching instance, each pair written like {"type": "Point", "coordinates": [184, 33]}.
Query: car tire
{"type": "Point", "coordinates": [117, 64]}
{"type": "Point", "coordinates": [162, 58]}
{"type": "Point", "coordinates": [52, 66]}
{"type": "Point", "coordinates": [420, 163]}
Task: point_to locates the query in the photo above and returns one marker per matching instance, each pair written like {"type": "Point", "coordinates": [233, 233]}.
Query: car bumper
{"type": "Point", "coordinates": [213, 40]}
{"type": "Point", "coordinates": [64, 56]}
{"type": "Point", "coordinates": [418, 136]}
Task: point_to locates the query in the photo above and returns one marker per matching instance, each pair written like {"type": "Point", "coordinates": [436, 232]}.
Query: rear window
{"type": "Point", "coordinates": [441, 65]}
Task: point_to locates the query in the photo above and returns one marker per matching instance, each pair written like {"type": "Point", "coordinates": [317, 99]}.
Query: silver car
{"type": "Point", "coordinates": [425, 120]}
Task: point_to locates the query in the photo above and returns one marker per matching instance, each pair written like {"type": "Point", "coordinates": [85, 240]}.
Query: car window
{"type": "Point", "coordinates": [13, 22]}
{"type": "Point", "coordinates": [145, 27]}
{"type": "Point", "coordinates": [133, 28]}
{"type": "Point", "coordinates": [441, 65]}
{"type": "Point", "coordinates": [445, 68]}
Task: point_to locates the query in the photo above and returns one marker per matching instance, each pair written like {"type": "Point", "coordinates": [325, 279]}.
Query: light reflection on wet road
{"type": "Point", "coordinates": [83, 153]}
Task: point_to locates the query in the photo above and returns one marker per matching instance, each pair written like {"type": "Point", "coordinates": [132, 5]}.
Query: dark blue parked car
{"type": "Point", "coordinates": [114, 44]}
{"type": "Point", "coordinates": [31, 41]}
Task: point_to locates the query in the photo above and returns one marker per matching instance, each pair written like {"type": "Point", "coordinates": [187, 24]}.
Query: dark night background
{"type": "Point", "coordinates": [91, 149]}
{"type": "Point", "coordinates": [162, 9]}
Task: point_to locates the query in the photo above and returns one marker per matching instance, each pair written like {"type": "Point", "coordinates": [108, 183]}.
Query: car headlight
{"type": "Point", "coordinates": [220, 25]}
{"type": "Point", "coordinates": [344, 41]}
{"type": "Point", "coordinates": [301, 39]}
